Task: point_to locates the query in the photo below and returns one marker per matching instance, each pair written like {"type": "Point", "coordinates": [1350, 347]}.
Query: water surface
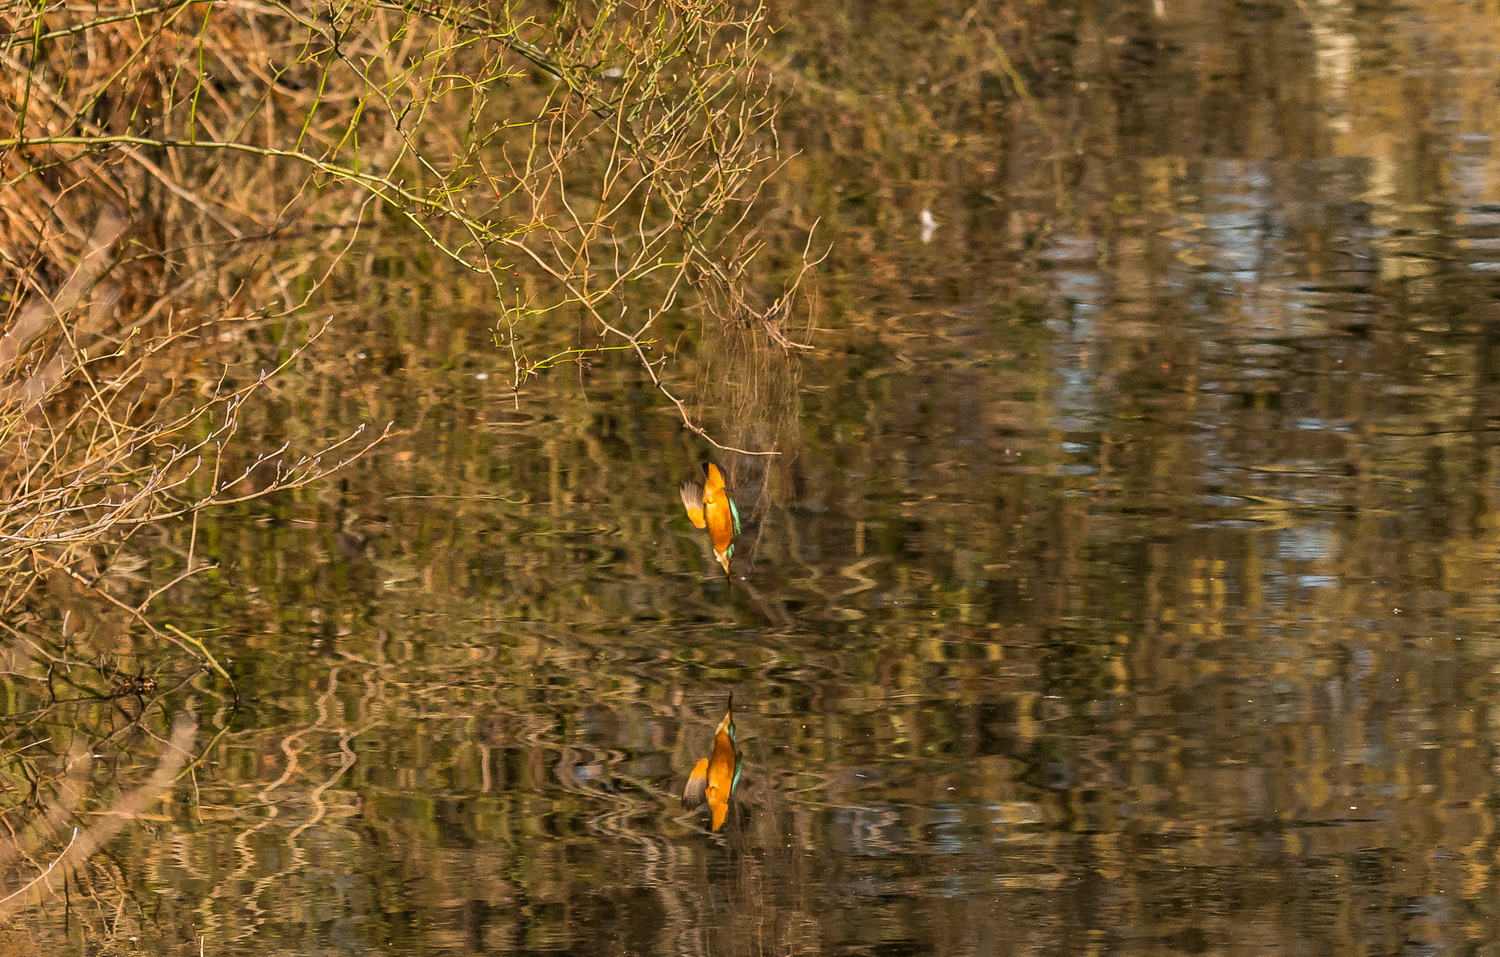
{"type": "Point", "coordinates": [1126, 581]}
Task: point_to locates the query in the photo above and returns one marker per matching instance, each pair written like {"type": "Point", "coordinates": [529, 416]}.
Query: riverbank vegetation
{"type": "Point", "coordinates": [186, 190]}
{"type": "Point", "coordinates": [185, 177]}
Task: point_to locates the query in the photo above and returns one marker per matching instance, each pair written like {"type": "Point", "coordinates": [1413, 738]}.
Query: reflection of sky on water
{"type": "Point", "coordinates": [1072, 263]}
{"type": "Point", "coordinates": [1245, 240]}
{"type": "Point", "coordinates": [947, 830]}
{"type": "Point", "coordinates": [1308, 542]}
{"type": "Point", "coordinates": [873, 830]}
{"type": "Point", "coordinates": [1479, 228]}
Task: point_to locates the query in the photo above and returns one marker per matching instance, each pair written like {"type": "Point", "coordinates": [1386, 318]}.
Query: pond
{"type": "Point", "coordinates": [1124, 580]}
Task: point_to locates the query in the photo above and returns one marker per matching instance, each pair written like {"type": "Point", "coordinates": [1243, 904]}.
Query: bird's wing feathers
{"type": "Point", "coordinates": [692, 500]}
{"type": "Point", "coordinates": [696, 791]}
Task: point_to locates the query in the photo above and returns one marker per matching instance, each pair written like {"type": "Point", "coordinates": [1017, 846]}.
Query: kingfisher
{"type": "Point", "coordinates": [714, 778]}
{"type": "Point", "coordinates": [709, 505]}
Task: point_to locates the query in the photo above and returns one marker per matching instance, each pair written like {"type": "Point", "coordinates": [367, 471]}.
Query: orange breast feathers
{"type": "Point", "coordinates": [709, 506]}
{"type": "Point", "coordinates": [721, 773]}
{"type": "Point", "coordinates": [718, 512]}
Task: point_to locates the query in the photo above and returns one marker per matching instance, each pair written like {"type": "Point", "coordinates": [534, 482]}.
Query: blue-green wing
{"type": "Point", "coordinates": [739, 765]}
{"type": "Point", "coordinates": [734, 510]}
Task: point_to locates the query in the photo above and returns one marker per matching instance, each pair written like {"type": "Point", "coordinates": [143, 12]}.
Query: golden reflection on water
{"type": "Point", "coordinates": [1126, 581]}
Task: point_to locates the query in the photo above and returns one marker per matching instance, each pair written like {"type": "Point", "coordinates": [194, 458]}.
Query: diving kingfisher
{"type": "Point", "coordinates": [709, 505]}
{"type": "Point", "coordinates": [714, 778]}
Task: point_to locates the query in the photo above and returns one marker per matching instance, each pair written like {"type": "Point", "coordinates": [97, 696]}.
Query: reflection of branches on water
{"type": "Point", "coordinates": [84, 842]}
{"type": "Point", "coordinates": [96, 445]}
{"type": "Point", "coordinates": [713, 889]}
{"type": "Point", "coordinates": [537, 766]}
{"type": "Point", "coordinates": [95, 470]}
{"type": "Point", "coordinates": [298, 798]}
{"type": "Point", "coordinates": [752, 390]}
{"type": "Point", "coordinates": [276, 801]}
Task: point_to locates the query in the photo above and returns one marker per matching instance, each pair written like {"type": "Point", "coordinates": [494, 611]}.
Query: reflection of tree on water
{"type": "Point", "coordinates": [66, 805]}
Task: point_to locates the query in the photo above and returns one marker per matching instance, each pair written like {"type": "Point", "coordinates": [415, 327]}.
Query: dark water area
{"type": "Point", "coordinates": [1126, 582]}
